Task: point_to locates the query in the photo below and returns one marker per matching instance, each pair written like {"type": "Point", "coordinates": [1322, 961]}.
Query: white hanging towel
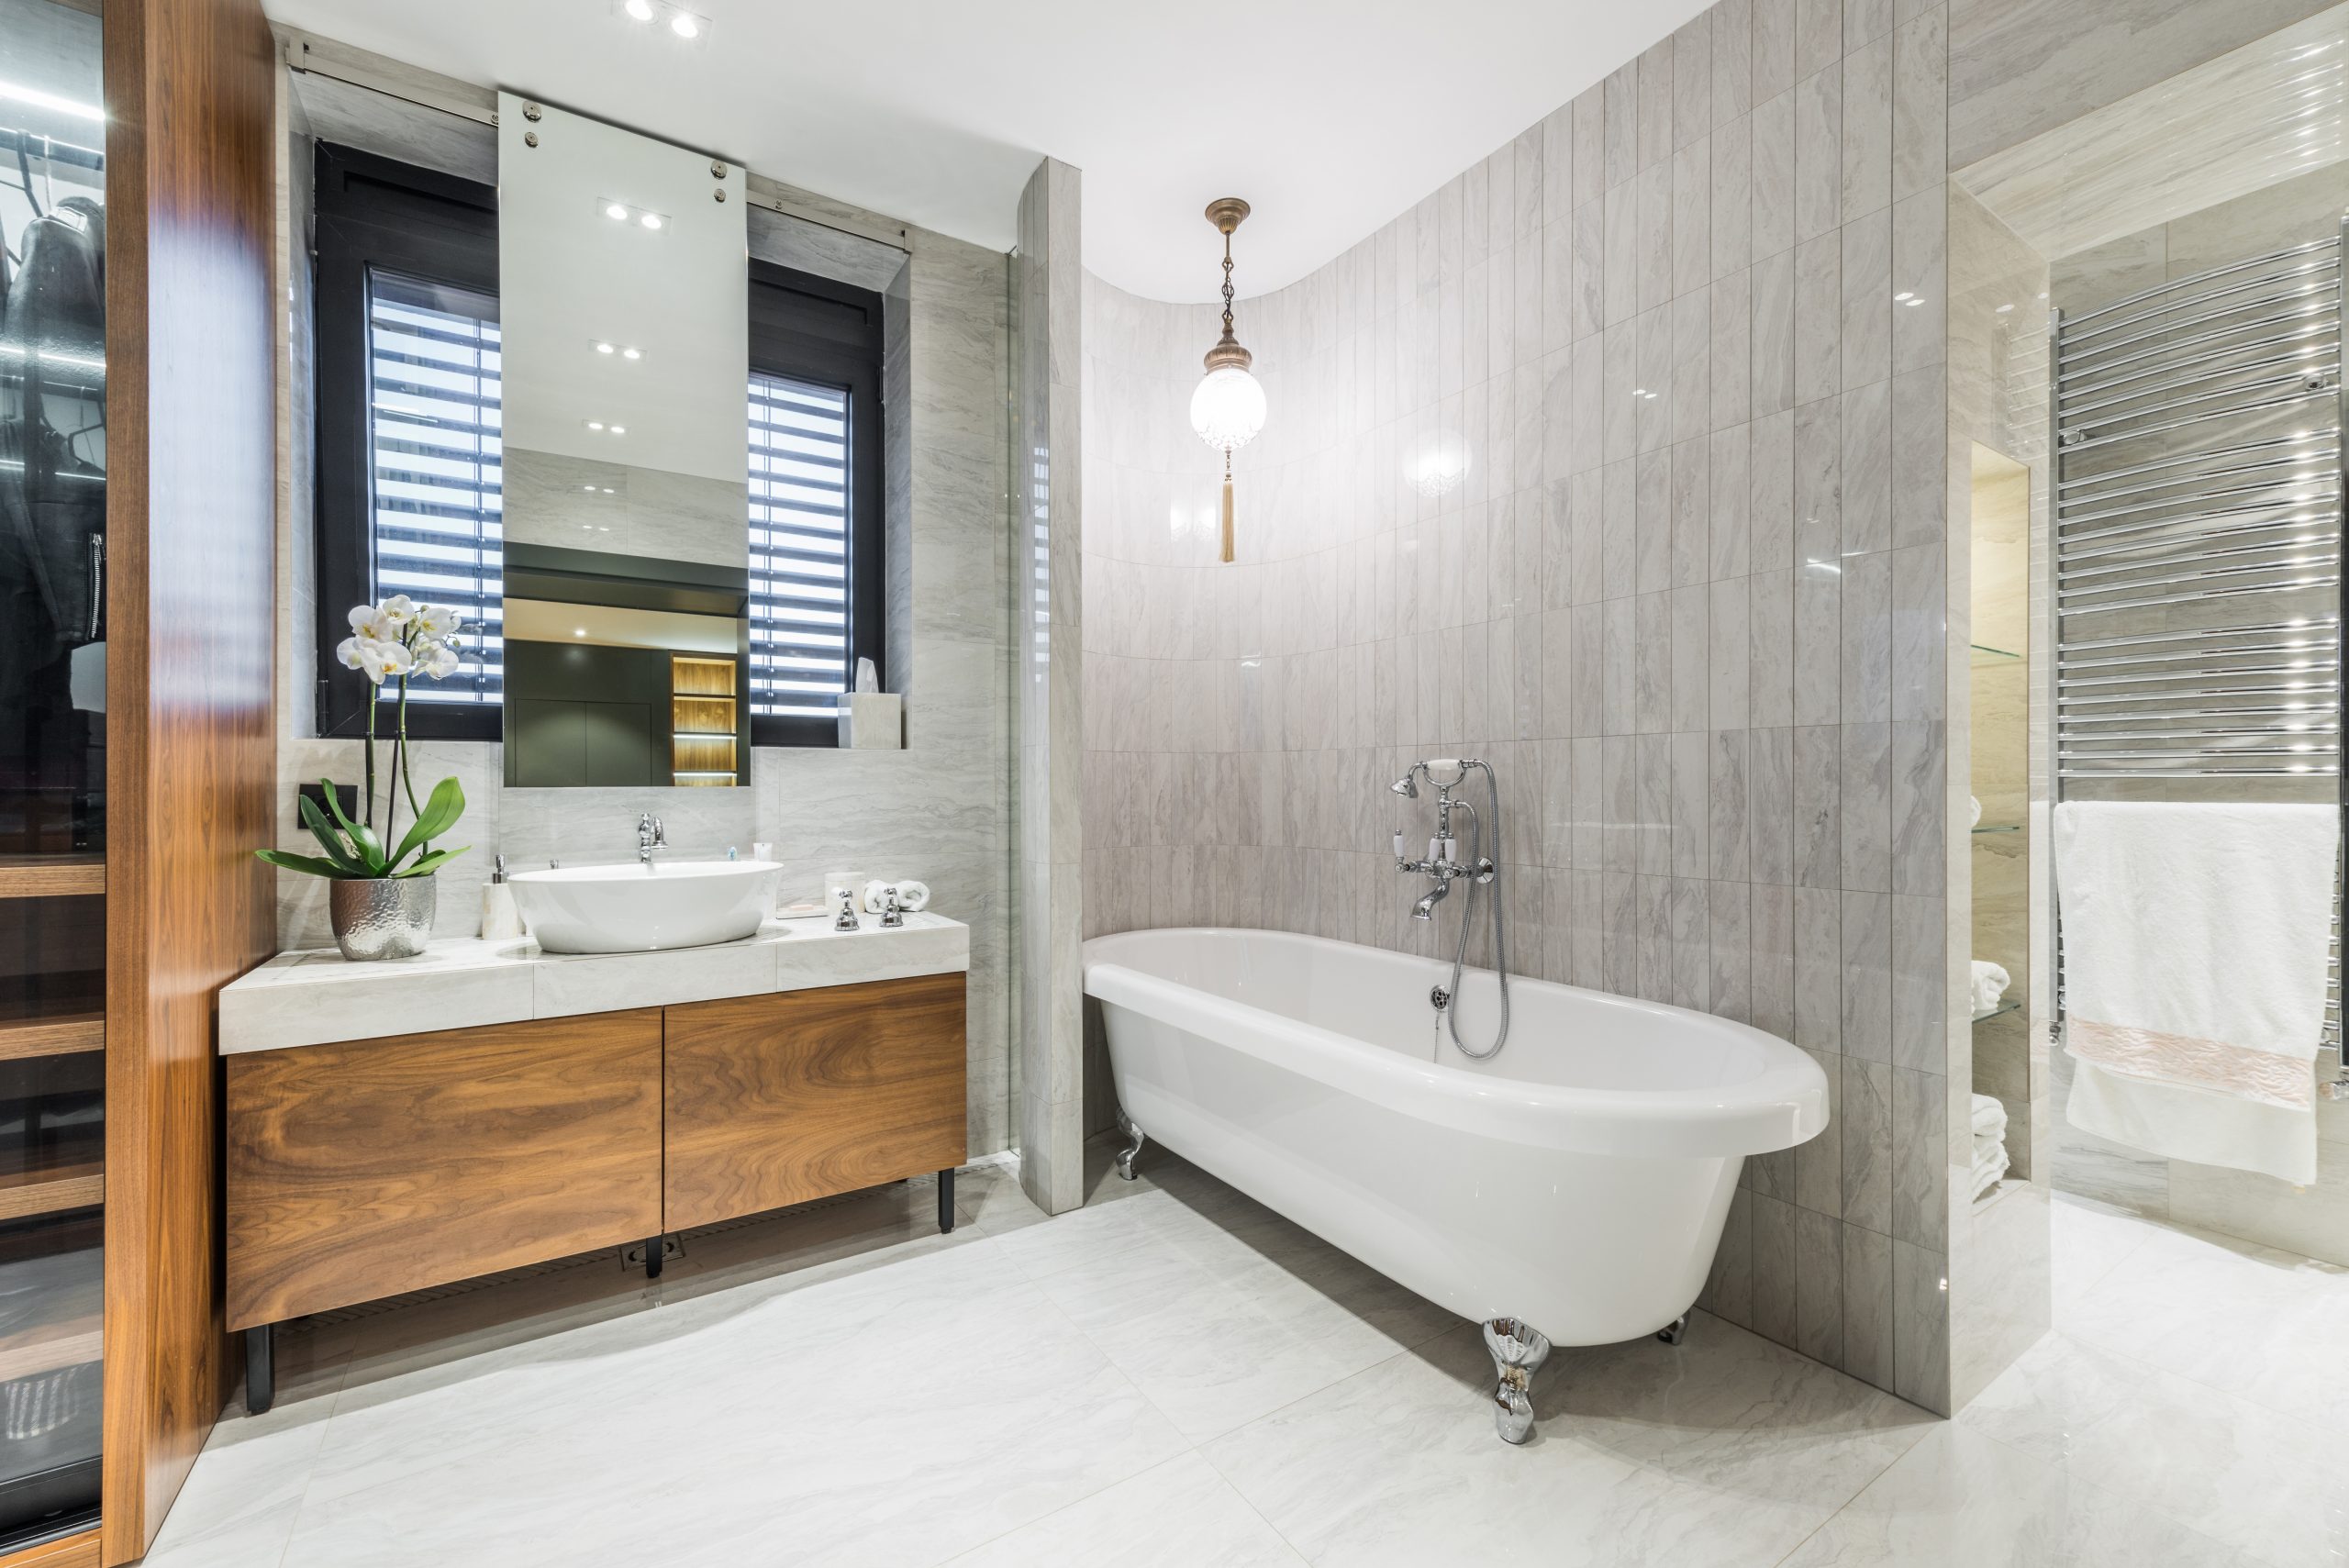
{"type": "Point", "coordinates": [2194, 959]}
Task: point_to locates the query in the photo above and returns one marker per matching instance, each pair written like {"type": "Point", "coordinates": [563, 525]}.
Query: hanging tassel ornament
{"type": "Point", "coordinates": [1228, 407]}
{"type": "Point", "coordinates": [1227, 506]}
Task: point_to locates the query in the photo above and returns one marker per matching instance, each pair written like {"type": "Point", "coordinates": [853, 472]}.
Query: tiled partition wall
{"type": "Point", "coordinates": [1618, 461]}
{"type": "Point", "coordinates": [1046, 526]}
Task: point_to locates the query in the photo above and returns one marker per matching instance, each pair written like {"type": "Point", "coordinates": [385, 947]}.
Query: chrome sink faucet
{"type": "Point", "coordinates": [650, 836]}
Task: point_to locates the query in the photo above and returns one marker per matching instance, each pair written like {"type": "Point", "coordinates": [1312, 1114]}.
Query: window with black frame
{"type": "Point", "coordinates": [410, 473]}
{"type": "Point", "coordinates": [816, 524]}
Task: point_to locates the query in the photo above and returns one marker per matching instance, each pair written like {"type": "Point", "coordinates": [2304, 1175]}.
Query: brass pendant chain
{"type": "Point", "coordinates": [1226, 285]}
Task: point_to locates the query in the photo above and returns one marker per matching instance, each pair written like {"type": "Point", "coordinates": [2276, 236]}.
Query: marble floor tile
{"type": "Point", "coordinates": [1177, 1514]}
{"type": "Point", "coordinates": [2230, 1468]}
{"type": "Point", "coordinates": [2269, 1326]}
{"type": "Point", "coordinates": [2087, 1241]}
{"type": "Point", "coordinates": [1172, 1374]}
{"type": "Point", "coordinates": [1219, 1317]}
{"type": "Point", "coordinates": [1625, 1467]}
{"type": "Point", "coordinates": [1960, 1499]}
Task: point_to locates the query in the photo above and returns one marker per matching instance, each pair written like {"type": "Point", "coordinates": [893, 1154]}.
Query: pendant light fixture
{"type": "Point", "coordinates": [1228, 408]}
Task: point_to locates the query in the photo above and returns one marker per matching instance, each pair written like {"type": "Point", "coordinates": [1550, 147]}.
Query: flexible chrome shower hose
{"type": "Point", "coordinates": [1495, 913]}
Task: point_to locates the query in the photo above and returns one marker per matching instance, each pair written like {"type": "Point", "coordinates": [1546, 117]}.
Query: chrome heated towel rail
{"type": "Point", "coordinates": [2197, 528]}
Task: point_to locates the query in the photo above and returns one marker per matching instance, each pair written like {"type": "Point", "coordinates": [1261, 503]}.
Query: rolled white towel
{"type": "Point", "coordinates": [911, 894]}
{"type": "Point", "coordinates": [1990, 1115]}
{"type": "Point", "coordinates": [1988, 1169]}
{"type": "Point", "coordinates": [1990, 982]}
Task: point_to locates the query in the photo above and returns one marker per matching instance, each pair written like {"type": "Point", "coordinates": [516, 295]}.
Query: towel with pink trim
{"type": "Point", "coordinates": [2195, 937]}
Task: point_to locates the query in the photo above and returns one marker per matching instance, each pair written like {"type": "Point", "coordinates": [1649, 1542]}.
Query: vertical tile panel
{"type": "Point", "coordinates": [1819, 1285]}
{"type": "Point", "coordinates": [1867, 1143]}
{"type": "Point", "coordinates": [1920, 1326]}
{"type": "Point", "coordinates": [1773, 1269]}
{"type": "Point", "coordinates": [1867, 1305]}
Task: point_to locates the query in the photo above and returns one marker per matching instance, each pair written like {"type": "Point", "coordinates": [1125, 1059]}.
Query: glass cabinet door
{"type": "Point", "coordinates": [52, 764]}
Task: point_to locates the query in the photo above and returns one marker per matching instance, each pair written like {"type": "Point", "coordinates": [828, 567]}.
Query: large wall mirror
{"type": "Point", "coordinates": [624, 292]}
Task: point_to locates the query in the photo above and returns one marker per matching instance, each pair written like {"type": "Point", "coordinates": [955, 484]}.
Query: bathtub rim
{"type": "Point", "coordinates": [1785, 1104]}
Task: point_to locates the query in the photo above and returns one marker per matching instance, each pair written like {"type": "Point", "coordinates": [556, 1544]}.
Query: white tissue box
{"type": "Point", "coordinates": [872, 721]}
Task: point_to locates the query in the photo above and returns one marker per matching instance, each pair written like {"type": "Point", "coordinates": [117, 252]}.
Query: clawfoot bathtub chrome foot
{"type": "Point", "coordinates": [1517, 1351]}
{"type": "Point", "coordinates": [1126, 1156]}
{"type": "Point", "coordinates": [1677, 1333]}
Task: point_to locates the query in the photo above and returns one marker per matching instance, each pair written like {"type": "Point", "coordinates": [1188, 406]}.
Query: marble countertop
{"type": "Point", "coordinates": [318, 998]}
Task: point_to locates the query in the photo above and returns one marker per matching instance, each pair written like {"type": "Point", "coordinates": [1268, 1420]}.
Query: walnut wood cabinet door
{"type": "Point", "coordinates": [366, 1169]}
{"type": "Point", "coordinates": [778, 1100]}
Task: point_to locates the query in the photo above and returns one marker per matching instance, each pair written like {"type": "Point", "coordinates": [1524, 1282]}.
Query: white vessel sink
{"type": "Point", "coordinates": [639, 908]}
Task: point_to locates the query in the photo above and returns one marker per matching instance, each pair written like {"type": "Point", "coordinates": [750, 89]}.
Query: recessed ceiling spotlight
{"type": "Point", "coordinates": [632, 353]}
{"type": "Point", "coordinates": [620, 429]}
{"type": "Point", "coordinates": [594, 424]}
{"type": "Point", "coordinates": [603, 347]}
{"type": "Point", "coordinates": [684, 26]}
{"type": "Point", "coordinates": [578, 631]}
{"type": "Point", "coordinates": [650, 220]}
{"type": "Point", "coordinates": [640, 9]}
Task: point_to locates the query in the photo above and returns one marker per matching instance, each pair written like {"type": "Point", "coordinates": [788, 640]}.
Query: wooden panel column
{"type": "Point", "coordinates": [191, 611]}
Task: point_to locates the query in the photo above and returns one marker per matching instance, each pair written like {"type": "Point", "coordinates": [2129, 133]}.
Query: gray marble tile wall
{"type": "Point", "coordinates": [940, 809]}
{"type": "Point", "coordinates": [2021, 67]}
{"type": "Point", "coordinates": [1617, 459]}
{"type": "Point", "coordinates": [1046, 620]}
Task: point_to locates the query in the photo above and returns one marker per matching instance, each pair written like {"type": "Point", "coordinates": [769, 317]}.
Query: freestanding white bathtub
{"type": "Point", "coordinates": [1572, 1189]}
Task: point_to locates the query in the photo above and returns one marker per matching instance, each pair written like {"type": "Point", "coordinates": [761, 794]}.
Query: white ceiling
{"type": "Point", "coordinates": [1328, 116]}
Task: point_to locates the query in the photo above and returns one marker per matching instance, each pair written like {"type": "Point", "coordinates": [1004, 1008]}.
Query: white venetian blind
{"type": "Point", "coordinates": [799, 554]}
{"type": "Point", "coordinates": [435, 491]}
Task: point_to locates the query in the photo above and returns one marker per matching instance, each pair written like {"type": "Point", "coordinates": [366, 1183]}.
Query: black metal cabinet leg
{"type": "Point", "coordinates": [260, 1369]}
{"type": "Point", "coordinates": [945, 1202]}
{"type": "Point", "coordinates": [653, 1258]}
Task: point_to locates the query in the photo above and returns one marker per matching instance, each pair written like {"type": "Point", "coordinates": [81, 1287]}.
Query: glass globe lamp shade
{"type": "Point", "coordinates": [1228, 407]}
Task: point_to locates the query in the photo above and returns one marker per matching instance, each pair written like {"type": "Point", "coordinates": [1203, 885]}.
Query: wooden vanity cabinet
{"type": "Point", "coordinates": [798, 1094]}
{"type": "Point", "coordinates": [373, 1167]}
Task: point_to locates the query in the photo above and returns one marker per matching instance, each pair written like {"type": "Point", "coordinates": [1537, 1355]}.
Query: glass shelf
{"type": "Point", "coordinates": [2002, 828]}
{"type": "Point", "coordinates": [2012, 1005]}
{"type": "Point", "coordinates": [1982, 653]}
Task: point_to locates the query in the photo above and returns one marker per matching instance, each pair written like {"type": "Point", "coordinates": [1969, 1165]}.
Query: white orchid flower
{"type": "Point", "coordinates": [373, 624]}
{"type": "Point", "coordinates": [400, 609]}
{"type": "Point", "coordinates": [348, 652]}
{"type": "Point", "coordinates": [383, 660]}
{"type": "Point", "coordinates": [437, 660]}
{"type": "Point", "coordinates": [437, 621]}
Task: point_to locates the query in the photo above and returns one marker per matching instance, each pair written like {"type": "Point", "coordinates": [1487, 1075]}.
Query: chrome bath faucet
{"type": "Point", "coordinates": [1443, 860]}
{"type": "Point", "coordinates": [650, 836]}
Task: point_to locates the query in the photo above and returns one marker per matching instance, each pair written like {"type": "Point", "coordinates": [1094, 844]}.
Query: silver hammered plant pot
{"type": "Point", "coordinates": [382, 918]}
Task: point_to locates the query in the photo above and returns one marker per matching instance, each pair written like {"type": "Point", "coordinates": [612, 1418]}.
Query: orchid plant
{"type": "Point", "coordinates": [401, 640]}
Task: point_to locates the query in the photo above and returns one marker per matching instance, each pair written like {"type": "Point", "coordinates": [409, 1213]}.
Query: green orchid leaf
{"type": "Point", "coordinates": [440, 813]}
{"type": "Point", "coordinates": [432, 862]}
{"type": "Point", "coordinates": [308, 865]}
{"type": "Point", "coordinates": [331, 842]}
{"type": "Point", "coordinates": [371, 847]}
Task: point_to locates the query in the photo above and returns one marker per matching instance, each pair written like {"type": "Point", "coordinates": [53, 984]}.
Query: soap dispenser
{"type": "Point", "coordinates": [501, 920]}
